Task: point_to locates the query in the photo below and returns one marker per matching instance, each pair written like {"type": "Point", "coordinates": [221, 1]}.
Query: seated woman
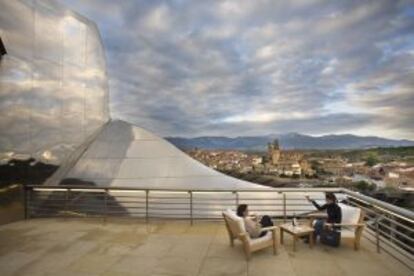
{"type": "Point", "coordinates": [253, 223]}
{"type": "Point", "coordinates": [332, 209]}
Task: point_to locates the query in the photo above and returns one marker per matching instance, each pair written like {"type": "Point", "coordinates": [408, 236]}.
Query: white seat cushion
{"type": "Point", "coordinates": [350, 215]}
{"type": "Point", "coordinates": [233, 216]}
{"type": "Point", "coordinates": [347, 232]}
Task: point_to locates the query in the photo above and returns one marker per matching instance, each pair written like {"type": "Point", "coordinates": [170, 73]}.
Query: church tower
{"type": "Point", "coordinates": [274, 152]}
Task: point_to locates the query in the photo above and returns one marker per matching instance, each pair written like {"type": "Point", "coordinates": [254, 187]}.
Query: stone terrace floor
{"type": "Point", "coordinates": [125, 247]}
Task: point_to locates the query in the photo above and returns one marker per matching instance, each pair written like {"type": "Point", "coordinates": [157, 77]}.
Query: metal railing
{"type": "Point", "coordinates": [389, 228]}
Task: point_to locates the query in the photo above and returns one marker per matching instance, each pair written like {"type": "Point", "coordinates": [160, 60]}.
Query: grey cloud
{"type": "Point", "coordinates": [182, 67]}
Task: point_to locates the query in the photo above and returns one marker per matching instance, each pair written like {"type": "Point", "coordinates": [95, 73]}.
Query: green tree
{"type": "Point", "coordinates": [372, 159]}
{"type": "Point", "coordinates": [364, 186]}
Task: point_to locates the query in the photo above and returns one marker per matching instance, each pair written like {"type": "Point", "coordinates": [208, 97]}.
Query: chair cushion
{"type": "Point", "coordinates": [347, 232]}
{"type": "Point", "coordinates": [350, 214]}
{"type": "Point", "coordinates": [234, 217]}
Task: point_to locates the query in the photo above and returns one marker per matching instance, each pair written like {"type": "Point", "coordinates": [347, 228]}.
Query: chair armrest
{"type": "Point", "coordinates": [317, 213]}
{"type": "Point", "coordinates": [270, 228]}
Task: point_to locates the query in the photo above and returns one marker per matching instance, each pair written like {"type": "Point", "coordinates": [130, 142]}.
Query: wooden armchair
{"type": "Point", "coordinates": [236, 230]}
{"type": "Point", "coordinates": [352, 223]}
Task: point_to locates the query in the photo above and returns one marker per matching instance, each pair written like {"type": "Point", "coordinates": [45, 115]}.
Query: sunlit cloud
{"type": "Point", "coordinates": [264, 117]}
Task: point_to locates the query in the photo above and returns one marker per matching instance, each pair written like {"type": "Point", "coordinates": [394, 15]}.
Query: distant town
{"type": "Point", "coordinates": [384, 172]}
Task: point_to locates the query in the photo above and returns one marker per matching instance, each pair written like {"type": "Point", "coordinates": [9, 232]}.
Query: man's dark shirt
{"type": "Point", "coordinates": [333, 210]}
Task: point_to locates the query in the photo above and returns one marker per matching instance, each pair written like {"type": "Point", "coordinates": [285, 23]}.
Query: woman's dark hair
{"type": "Point", "coordinates": [241, 209]}
{"type": "Point", "coordinates": [331, 196]}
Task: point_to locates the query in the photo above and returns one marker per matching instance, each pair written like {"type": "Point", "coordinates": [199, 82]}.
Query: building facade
{"type": "Point", "coordinates": [287, 162]}
{"type": "Point", "coordinates": [53, 82]}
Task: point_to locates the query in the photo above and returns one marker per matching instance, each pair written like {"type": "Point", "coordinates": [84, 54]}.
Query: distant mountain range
{"type": "Point", "coordinates": [288, 141]}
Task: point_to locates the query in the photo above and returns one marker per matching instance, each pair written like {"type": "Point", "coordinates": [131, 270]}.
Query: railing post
{"type": "Point", "coordinates": [105, 205]}
{"type": "Point", "coordinates": [67, 202]}
{"type": "Point", "coordinates": [377, 235]}
{"type": "Point", "coordinates": [25, 199]}
{"type": "Point", "coordinates": [284, 208]}
{"type": "Point", "coordinates": [393, 228]}
{"type": "Point", "coordinates": [237, 198]}
{"type": "Point", "coordinates": [146, 205]}
{"type": "Point", "coordinates": [191, 207]}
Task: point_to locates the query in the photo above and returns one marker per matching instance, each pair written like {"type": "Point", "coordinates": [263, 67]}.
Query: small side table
{"type": "Point", "coordinates": [297, 232]}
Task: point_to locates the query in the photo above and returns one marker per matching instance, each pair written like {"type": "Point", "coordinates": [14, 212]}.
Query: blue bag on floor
{"type": "Point", "coordinates": [331, 238]}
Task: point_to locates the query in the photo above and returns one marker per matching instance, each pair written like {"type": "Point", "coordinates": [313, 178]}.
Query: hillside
{"type": "Point", "coordinates": [288, 141]}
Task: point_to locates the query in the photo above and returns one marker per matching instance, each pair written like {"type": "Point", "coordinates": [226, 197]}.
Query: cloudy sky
{"type": "Point", "coordinates": [192, 68]}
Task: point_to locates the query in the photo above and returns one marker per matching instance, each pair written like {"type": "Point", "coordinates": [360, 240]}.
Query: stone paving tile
{"type": "Point", "coordinates": [133, 265]}
{"type": "Point", "coordinates": [113, 249]}
{"type": "Point", "coordinates": [171, 228]}
{"type": "Point", "coordinates": [121, 247]}
{"type": "Point", "coordinates": [203, 229]}
{"type": "Point", "coordinates": [154, 248]}
{"type": "Point", "coordinates": [213, 266]}
{"type": "Point", "coordinates": [54, 263]}
{"type": "Point", "coordinates": [265, 265]}
{"type": "Point", "coordinates": [185, 266]}
{"type": "Point", "coordinates": [94, 263]}
{"type": "Point", "coordinates": [323, 268]}
{"type": "Point", "coordinates": [188, 250]}
{"type": "Point", "coordinates": [11, 263]}
{"type": "Point", "coordinates": [225, 251]}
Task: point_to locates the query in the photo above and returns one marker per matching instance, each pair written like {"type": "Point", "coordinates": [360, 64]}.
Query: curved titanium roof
{"type": "Point", "coordinates": [128, 156]}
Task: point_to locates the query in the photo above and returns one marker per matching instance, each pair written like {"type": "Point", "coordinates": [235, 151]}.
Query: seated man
{"type": "Point", "coordinates": [253, 223]}
{"type": "Point", "coordinates": [332, 209]}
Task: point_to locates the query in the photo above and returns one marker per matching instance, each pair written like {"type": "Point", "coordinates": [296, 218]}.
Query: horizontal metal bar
{"type": "Point", "coordinates": [397, 249]}
{"type": "Point", "coordinates": [181, 216]}
{"type": "Point", "coordinates": [48, 199]}
{"type": "Point", "coordinates": [302, 199]}
{"type": "Point", "coordinates": [127, 216]}
{"type": "Point", "coordinates": [264, 189]}
{"type": "Point", "coordinates": [403, 213]}
{"type": "Point", "coordinates": [397, 258]}
{"type": "Point", "coordinates": [371, 233]}
{"type": "Point", "coordinates": [391, 221]}
{"type": "Point", "coordinates": [183, 202]}
{"type": "Point", "coordinates": [45, 215]}
{"type": "Point", "coordinates": [120, 212]}
{"type": "Point", "coordinates": [169, 209]}
{"type": "Point", "coordinates": [366, 209]}
{"type": "Point", "coordinates": [398, 223]}
{"type": "Point", "coordinates": [44, 208]}
{"type": "Point", "coordinates": [76, 204]}
{"type": "Point", "coordinates": [396, 232]}
{"type": "Point", "coordinates": [407, 252]}
{"type": "Point", "coordinates": [386, 207]}
{"type": "Point", "coordinates": [394, 240]}
{"type": "Point", "coordinates": [166, 198]}
{"type": "Point", "coordinates": [386, 250]}
{"type": "Point", "coordinates": [232, 204]}
{"type": "Point", "coordinates": [210, 199]}
{"type": "Point", "coordinates": [128, 207]}
{"type": "Point", "coordinates": [215, 203]}
{"type": "Point", "coordinates": [125, 202]}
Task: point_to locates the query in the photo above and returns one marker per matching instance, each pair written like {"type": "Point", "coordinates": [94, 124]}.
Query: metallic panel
{"type": "Point", "coordinates": [53, 84]}
{"type": "Point", "coordinates": [128, 156]}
